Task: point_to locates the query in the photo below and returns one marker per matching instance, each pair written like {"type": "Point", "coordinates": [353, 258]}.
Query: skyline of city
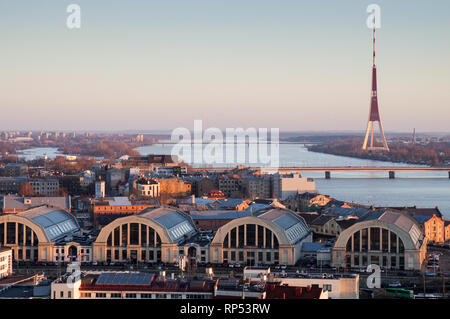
{"type": "Point", "coordinates": [227, 157]}
{"type": "Point", "coordinates": [259, 63]}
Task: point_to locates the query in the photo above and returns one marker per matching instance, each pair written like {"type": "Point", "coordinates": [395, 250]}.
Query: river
{"type": "Point", "coordinates": [423, 189]}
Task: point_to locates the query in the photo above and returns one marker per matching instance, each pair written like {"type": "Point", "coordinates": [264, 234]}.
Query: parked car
{"type": "Point", "coordinates": [395, 284]}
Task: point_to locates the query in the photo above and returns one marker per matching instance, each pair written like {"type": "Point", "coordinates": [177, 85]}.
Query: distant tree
{"type": "Point", "coordinates": [26, 190]}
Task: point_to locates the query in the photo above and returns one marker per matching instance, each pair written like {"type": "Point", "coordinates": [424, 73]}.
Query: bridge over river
{"type": "Point", "coordinates": [327, 170]}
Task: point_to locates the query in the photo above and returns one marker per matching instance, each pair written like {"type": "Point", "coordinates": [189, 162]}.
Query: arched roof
{"type": "Point", "coordinates": [48, 223]}
{"type": "Point", "coordinates": [173, 226]}
{"type": "Point", "coordinates": [285, 224]}
{"type": "Point", "coordinates": [402, 225]}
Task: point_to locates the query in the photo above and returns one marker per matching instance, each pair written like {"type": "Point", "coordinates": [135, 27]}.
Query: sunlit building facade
{"type": "Point", "coordinates": [268, 236]}
{"type": "Point", "coordinates": [389, 239]}
{"type": "Point", "coordinates": [33, 234]}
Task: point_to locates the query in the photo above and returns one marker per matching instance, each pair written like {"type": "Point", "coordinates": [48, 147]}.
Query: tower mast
{"type": "Point", "coordinates": [374, 114]}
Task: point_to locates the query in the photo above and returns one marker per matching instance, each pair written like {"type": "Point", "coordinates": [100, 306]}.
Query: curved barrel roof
{"type": "Point", "coordinates": [177, 223]}
{"type": "Point", "coordinates": [56, 223]}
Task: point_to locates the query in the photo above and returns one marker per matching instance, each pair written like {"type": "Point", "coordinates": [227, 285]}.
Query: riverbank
{"type": "Point", "coordinates": [432, 154]}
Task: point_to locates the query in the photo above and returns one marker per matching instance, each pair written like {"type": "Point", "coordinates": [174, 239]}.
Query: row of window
{"type": "Point", "coordinates": [24, 236]}
{"type": "Point", "coordinates": [140, 295]}
{"type": "Point", "coordinates": [364, 260]}
{"type": "Point", "coordinates": [238, 256]}
{"type": "Point", "coordinates": [133, 255]}
{"type": "Point", "coordinates": [245, 236]}
{"type": "Point", "coordinates": [148, 236]}
{"type": "Point", "coordinates": [374, 239]}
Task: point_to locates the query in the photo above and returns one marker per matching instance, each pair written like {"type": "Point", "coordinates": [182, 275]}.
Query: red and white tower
{"type": "Point", "coordinates": [374, 114]}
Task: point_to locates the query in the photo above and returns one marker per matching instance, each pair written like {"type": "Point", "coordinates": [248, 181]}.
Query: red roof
{"type": "Point", "coordinates": [291, 292]}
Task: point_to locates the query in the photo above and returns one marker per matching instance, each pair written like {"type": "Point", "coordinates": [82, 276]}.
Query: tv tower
{"type": "Point", "coordinates": [374, 114]}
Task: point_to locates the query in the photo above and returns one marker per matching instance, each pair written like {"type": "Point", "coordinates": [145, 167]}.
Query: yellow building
{"type": "Point", "coordinates": [325, 225]}
{"type": "Point", "coordinates": [434, 229]}
{"type": "Point", "coordinates": [447, 229]}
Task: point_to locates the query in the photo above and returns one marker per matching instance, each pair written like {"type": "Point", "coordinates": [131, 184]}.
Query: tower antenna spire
{"type": "Point", "coordinates": [374, 114]}
{"type": "Point", "coordinates": [374, 29]}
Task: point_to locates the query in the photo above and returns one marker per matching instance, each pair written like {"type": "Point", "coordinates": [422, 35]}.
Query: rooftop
{"type": "Point", "coordinates": [57, 223]}
{"type": "Point", "coordinates": [178, 224]}
{"type": "Point", "coordinates": [12, 202]}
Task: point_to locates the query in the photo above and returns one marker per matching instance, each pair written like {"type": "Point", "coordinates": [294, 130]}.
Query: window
{"type": "Point", "coordinates": [116, 295]}
{"type": "Point", "coordinates": [356, 241]}
{"type": "Point", "coordinates": [251, 235]}
{"type": "Point", "coordinates": [364, 243]}
{"type": "Point", "coordinates": [130, 296]}
{"type": "Point", "coordinates": [69, 294]}
{"type": "Point", "coordinates": [241, 236]}
{"type": "Point", "coordinates": [393, 261]}
{"type": "Point", "coordinates": [134, 234]}
{"type": "Point", "coordinates": [225, 256]}
{"type": "Point", "coordinates": [124, 234]}
{"type": "Point", "coordinates": [100, 295]}
{"type": "Point", "coordinates": [385, 240]}
{"type": "Point", "coordinates": [225, 242]}
{"type": "Point", "coordinates": [116, 236]}
{"type": "Point", "coordinates": [393, 243]}
{"type": "Point", "coordinates": [146, 296]}
{"type": "Point", "coordinates": [61, 294]}
{"type": "Point", "coordinates": [326, 287]}
{"type": "Point", "coordinates": [374, 238]}
{"type": "Point", "coordinates": [233, 238]}
{"type": "Point", "coordinates": [268, 238]}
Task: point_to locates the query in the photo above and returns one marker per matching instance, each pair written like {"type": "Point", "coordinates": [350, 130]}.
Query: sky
{"type": "Point", "coordinates": [158, 65]}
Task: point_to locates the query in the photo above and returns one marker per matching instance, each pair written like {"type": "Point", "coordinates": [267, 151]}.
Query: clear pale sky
{"type": "Point", "coordinates": [294, 65]}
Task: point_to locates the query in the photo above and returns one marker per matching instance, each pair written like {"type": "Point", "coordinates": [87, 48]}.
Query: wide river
{"type": "Point", "coordinates": [423, 189]}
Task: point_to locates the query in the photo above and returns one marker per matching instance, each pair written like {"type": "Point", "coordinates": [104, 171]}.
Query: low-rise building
{"type": "Point", "coordinates": [325, 225]}
{"type": "Point", "coordinates": [107, 209]}
{"type": "Point", "coordinates": [128, 285]}
{"type": "Point", "coordinates": [32, 234]}
{"type": "Point", "coordinates": [16, 169]}
{"type": "Point", "coordinates": [433, 226]}
{"type": "Point", "coordinates": [16, 204]}
{"type": "Point", "coordinates": [285, 185]}
{"type": "Point", "coordinates": [5, 262]}
{"type": "Point", "coordinates": [147, 187]}
{"type": "Point", "coordinates": [268, 236]}
{"type": "Point", "coordinates": [45, 186]}
{"type": "Point", "coordinates": [389, 238]}
{"type": "Point", "coordinates": [337, 286]}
